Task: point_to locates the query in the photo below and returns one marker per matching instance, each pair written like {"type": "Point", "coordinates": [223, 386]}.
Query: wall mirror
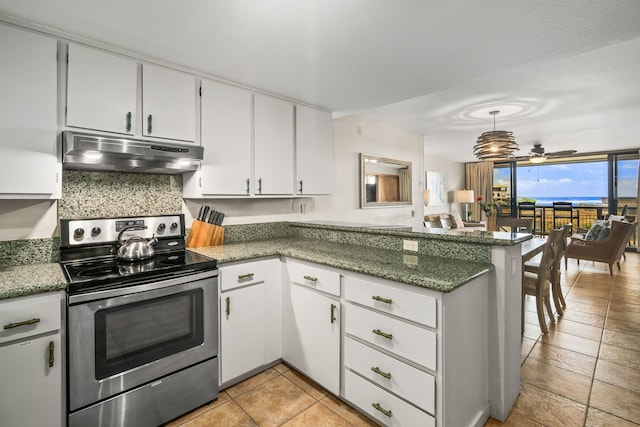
{"type": "Point", "coordinates": [384, 182]}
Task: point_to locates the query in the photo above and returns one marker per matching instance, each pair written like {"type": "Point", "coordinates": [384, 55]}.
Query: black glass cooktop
{"type": "Point", "coordinates": [107, 271]}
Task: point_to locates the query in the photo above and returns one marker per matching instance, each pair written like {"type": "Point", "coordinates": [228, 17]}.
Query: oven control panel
{"type": "Point", "coordinates": [106, 230]}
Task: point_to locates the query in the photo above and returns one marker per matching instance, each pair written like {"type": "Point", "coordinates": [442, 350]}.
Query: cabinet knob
{"type": "Point", "coordinates": [228, 306]}
{"type": "Point", "coordinates": [248, 182]}
{"type": "Point", "coordinates": [300, 189]}
{"type": "Point", "coordinates": [311, 278]}
{"type": "Point", "coordinates": [149, 123]}
{"type": "Point", "coordinates": [333, 313]}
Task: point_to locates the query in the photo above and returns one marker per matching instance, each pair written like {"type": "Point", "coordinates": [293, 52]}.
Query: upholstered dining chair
{"type": "Point", "coordinates": [538, 283]}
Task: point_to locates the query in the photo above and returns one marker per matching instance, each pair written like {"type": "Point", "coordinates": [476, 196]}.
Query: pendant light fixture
{"type": "Point", "coordinates": [495, 144]}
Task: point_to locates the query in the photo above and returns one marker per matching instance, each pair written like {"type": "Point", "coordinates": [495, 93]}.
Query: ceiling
{"type": "Point", "coordinates": [565, 74]}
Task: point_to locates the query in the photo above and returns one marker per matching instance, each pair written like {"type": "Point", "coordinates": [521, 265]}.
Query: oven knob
{"type": "Point", "coordinates": [161, 227]}
{"type": "Point", "coordinates": [78, 233]}
{"type": "Point", "coordinates": [174, 225]}
{"type": "Point", "coordinates": [95, 231]}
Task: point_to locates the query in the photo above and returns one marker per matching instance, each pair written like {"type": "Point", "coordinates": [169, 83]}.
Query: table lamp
{"type": "Point", "coordinates": [466, 197]}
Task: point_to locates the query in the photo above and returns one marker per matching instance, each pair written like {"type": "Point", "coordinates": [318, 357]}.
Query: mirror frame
{"type": "Point", "coordinates": [363, 202]}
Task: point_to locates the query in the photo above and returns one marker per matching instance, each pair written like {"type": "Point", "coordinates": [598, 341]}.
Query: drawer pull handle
{"type": "Point", "coordinates": [311, 278]}
{"type": "Point", "coordinates": [333, 313]}
{"type": "Point", "coordinates": [25, 323]}
{"type": "Point", "coordinates": [51, 348]}
{"type": "Point", "coordinates": [228, 307]}
{"type": "Point", "coordinates": [377, 370]}
{"type": "Point", "coordinates": [379, 298]}
{"type": "Point", "coordinates": [382, 334]}
{"type": "Point", "coordinates": [245, 276]}
{"type": "Point", "coordinates": [381, 409]}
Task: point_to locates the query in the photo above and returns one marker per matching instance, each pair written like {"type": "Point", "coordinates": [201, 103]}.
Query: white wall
{"type": "Point", "coordinates": [455, 179]}
{"type": "Point", "coordinates": [28, 219]}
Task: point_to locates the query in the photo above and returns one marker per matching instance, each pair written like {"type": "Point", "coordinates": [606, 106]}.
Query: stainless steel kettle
{"type": "Point", "coordinates": [135, 248]}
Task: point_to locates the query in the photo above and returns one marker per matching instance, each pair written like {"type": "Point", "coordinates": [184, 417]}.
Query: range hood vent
{"type": "Point", "coordinates": [112, 153]}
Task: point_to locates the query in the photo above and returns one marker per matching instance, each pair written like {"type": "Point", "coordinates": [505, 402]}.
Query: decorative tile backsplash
{"type": "Point", "coordinates": [89, 194]}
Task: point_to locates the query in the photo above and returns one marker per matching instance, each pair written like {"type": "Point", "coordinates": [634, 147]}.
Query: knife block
{"type": "Point", "coordinates": [204, 234]}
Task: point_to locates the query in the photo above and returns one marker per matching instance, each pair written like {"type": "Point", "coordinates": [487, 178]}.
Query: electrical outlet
{"type": "Point", "coordinates": [410, 245]}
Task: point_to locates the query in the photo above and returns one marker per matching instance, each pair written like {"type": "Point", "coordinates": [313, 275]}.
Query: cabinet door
{"type": "Point", "coordinates": [226, 138]}
{"type": "Point", "coordinates": [32, 389]}
{"type": "Point", "coordinates": [168, 103]}
{"type": "Point", "coordinates": [273, 154]}
{"type": "Point", "coordinates": [242, 326]}
{"type": "Point", "coordinates": [28, 114]}
{"type": "Point", "coordinates": [314, 151]}
{"type": "Point", "coordinates": [311, 336]}
{"type": "Point", "coordinates": [101, 91]}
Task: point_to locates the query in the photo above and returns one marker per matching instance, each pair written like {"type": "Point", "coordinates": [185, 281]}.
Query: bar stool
{"type": "Point", "coordinates": [528, 210]}
{"type": "Point", "coordinates": [564, 211]}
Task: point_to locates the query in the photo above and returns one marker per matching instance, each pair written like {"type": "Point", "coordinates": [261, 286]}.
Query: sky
{"type": "Point", "coordinates": [571, 180]}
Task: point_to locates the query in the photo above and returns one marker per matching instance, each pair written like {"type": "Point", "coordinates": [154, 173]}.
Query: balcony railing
{"type": "Point", "coordinates": [585, 216]}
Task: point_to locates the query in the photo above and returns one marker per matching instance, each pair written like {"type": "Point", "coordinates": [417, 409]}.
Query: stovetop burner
{"type": "Point", "coordinates": [89, 261]}
{"type": "Point", "coordinates": [109, 272]}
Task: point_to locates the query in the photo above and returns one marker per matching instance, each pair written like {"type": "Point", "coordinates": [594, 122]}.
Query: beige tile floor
{"type": "Point", "coordinates": [585, 372]}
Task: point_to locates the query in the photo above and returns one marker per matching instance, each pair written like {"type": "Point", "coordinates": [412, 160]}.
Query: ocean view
{"type": "Point", "coordinates": [575, 200]}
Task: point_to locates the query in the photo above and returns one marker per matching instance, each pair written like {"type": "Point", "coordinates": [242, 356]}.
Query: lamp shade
{"type": "Point", "coordinates": [464, 196]}
{"type": "Point", "coordinates": [426, 196]}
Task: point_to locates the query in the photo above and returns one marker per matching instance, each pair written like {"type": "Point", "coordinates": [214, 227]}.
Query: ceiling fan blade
{"type": "Point", "coordinates": [562, 153]}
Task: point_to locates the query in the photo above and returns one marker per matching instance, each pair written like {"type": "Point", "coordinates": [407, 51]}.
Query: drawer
{"type": "Point", "coordinates": [381, 405]}
{"type": "Point", "coordinates": [404, 339]}
{"type": "Point", "coordinates": [414, 306]}
{"type": "Point", "coordinates": [410, 383]}
{"type": "Point", "coordinates": [27, 316]}
{"type": "Point", "coordinates": [314, 276]}
{"type": "Point", "coordinates": [241, 274]}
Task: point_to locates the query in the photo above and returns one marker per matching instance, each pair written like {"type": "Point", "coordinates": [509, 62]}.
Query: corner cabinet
{"type": "Point", "coordinates": [226, 137]}
{"type": "Point", "coordinates": [311, 323]}
{"type": "Point", "coordinates": [29, 168]}
{"type": "Point", "coordinates": [102, 91]}
{"type": "Point", "coordinates": [31, 361]}
{"type": "Point", "coordinates": [314, 151]}
{"type": "Point", "coordinates": [250, 306]}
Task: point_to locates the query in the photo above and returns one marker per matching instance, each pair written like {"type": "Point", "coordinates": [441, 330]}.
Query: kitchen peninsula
{"type": "Point", "coordinates": [445, 261]}
{"type": "Point", "coordinates": [463, 283]}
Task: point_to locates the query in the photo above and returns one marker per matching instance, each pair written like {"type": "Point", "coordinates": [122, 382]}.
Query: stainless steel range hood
{"type": "Point", "coordinates": [112, 153]}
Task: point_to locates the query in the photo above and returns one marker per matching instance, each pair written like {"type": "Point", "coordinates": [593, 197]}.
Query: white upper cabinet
{"type": "Point", "coordinates": [273, 141]}
{"type": "Point", "coordinates": [28, 115]}
{"type": "Point", "coordinates": [101, 91]}
{"type": "Point", "coordinates": [168, 103]}
{"type": "Point", "coordinates": [226, 138]}
{"type": "Point", "coordinates": [314, 151]}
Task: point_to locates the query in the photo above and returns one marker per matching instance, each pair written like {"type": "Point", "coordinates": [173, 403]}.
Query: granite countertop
{"type": "Point", "coordinates": [498, 238]}
{"type": "Point", "coordinates": [438, 273]}
{"type": "Point", "coordinates": [21, 280]}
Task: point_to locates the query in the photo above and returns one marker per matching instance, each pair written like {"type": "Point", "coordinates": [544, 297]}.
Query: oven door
{"type": "Point", "coordinates": [144, 333]}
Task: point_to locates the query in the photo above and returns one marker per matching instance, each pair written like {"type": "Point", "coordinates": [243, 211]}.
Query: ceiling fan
{"type": "Point", "coordinates": [537, 154]}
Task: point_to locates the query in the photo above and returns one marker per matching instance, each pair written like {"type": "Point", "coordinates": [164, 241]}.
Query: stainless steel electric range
{"type": "Point", "coordinates": [142, 319]}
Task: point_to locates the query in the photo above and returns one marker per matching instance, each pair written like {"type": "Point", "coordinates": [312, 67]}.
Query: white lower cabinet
{"type": "Point", "coordinates": [31, 361]}
{"type": "Point", "coordinates": [383, 406]}
{"type": "Point", "coordinates": [311, 324]}
{"type": "Point", "coordinates": [249, 317]}
{"type": "Point", "coordinates": [414, 356]}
